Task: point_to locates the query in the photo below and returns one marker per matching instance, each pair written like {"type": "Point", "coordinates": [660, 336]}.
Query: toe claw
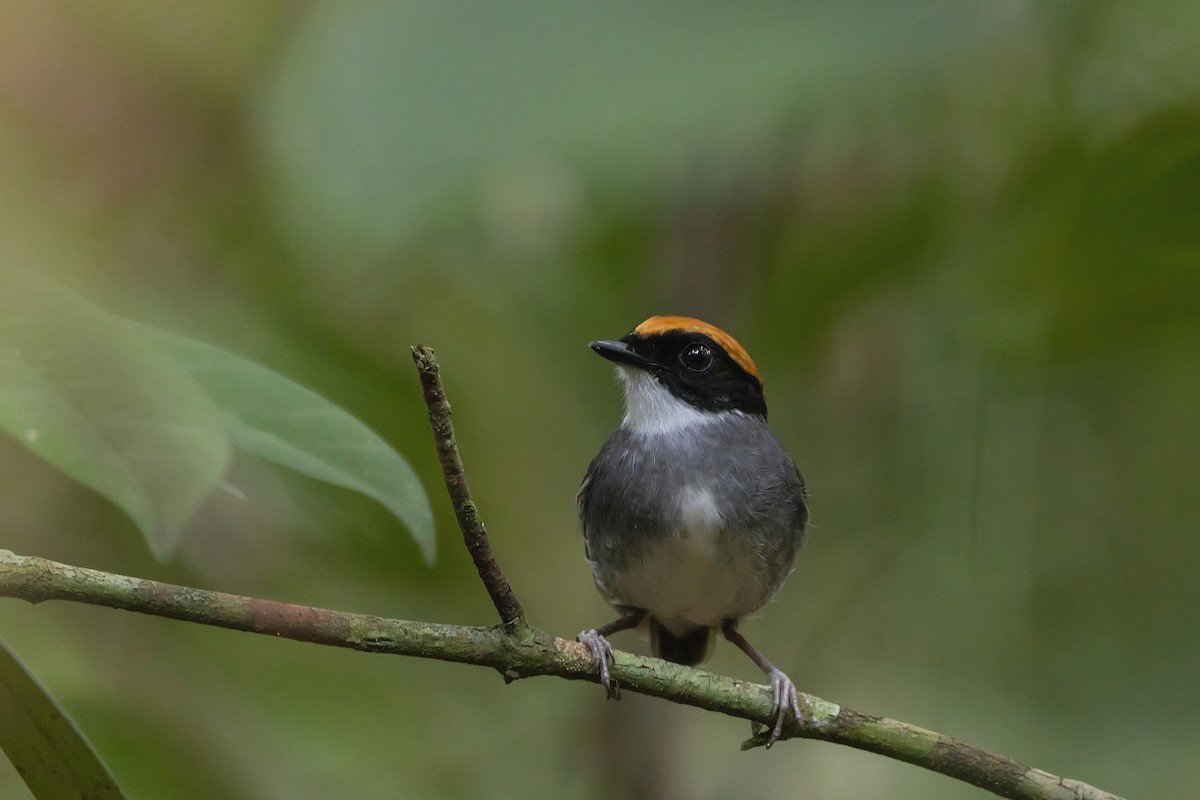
{"type": "Point", "coordinates": [785, 698]}
{"type": "Point", "coordinates": [602, 655]}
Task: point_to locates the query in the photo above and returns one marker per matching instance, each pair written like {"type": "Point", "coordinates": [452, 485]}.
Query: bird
{"type": "Point", "coordinates": [692, 512]}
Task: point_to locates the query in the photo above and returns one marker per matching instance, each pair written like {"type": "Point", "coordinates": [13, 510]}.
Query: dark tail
{"type": "Point", "coordinates": [689, 649]}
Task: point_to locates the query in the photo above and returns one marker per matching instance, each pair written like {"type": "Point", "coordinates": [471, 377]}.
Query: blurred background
{"type": "Point", "coordinates": [962, 241]}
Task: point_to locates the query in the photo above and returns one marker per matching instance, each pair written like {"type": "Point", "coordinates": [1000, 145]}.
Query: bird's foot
{"type": "Point", "coordinates": [602, 654]}
{"type": "Point", "coordinates": [786, 698]}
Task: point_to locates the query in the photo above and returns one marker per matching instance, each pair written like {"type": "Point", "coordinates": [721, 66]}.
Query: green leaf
{"type": "Point", "coordinates": [82, 390]}
{"type": "Point", "coordinates": [436, 105]}
{"type": "Point", "coordinates": [279, 420]}
{"type": "Point", "coordinates": [43, 743]}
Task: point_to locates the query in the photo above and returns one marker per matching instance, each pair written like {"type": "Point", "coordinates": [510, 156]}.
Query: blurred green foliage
{"type": "Point", "coordinates": [960, 240]}
{"type": "Point", "coordinates": [53, 756]}
{"type": "Point", "coordinates": [148, 418]}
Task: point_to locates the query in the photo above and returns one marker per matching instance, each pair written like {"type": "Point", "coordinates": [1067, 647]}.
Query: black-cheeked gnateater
{"type": "Point", "coordinates": [692, 511]}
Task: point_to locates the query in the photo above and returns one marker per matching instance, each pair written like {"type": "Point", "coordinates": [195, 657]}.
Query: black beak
{"type": "Point", "coordinates": [620, 353]}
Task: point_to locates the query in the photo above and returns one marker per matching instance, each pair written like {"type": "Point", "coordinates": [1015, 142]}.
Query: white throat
{"type": "Point", "coordinates": [650, 407]}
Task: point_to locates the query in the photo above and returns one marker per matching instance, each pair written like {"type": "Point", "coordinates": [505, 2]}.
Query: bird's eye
{"type": "Point", "coordinates": [696, 357]}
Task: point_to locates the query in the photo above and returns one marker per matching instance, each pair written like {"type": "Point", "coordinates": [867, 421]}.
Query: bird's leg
{"type": "Point", "coordinates": [602, 652]}
{"type": "Point", "coordinates": [782, 688]}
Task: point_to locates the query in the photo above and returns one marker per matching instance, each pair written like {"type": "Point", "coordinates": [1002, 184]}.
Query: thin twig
{"type": "Point", "coordinates": [522, 651]}
{"type": "Point", "coordinates": [473, 531]}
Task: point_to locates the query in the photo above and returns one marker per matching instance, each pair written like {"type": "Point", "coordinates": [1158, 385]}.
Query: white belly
{"type": "Point", "coordinates": [694, 578]}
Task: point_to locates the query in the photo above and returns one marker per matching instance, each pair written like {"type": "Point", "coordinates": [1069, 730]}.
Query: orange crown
{"type": "Point", "coordinates": [730, 345]}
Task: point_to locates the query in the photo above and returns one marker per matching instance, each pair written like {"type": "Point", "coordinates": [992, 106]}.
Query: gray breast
{"type": "Point", "coordinates": [696, 526]}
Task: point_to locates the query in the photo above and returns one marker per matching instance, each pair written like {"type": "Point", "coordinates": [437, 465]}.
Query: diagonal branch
{"type": "Point", "coordinates": [518, 650]}
{"type": "Point", "coordinates": [474, 534]}
{"type": "Point", "coordinates": [522, 651]}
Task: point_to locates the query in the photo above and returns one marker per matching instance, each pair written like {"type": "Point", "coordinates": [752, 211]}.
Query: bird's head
{"type": "Point", "coordinates": [680, 371]}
